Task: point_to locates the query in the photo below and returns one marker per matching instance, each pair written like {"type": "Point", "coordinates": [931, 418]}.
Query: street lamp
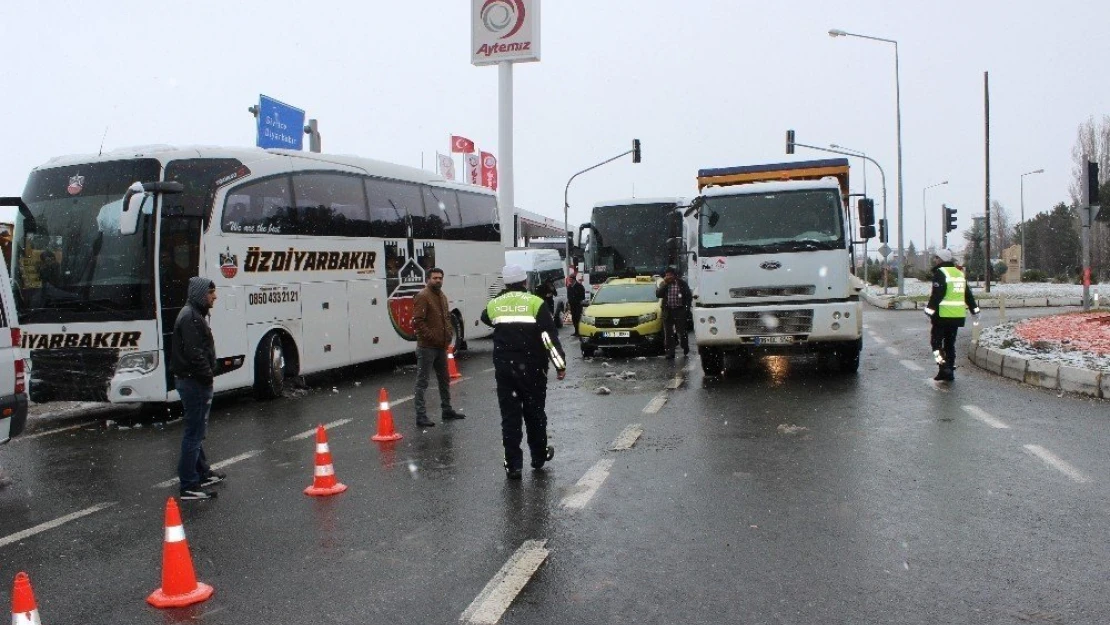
{"type": "Point", "coordinates": [925, 214]}
{"type": "Point", "coordinates": [1021, 272]}
{"type": "Point", "coordinates": [898, 109]}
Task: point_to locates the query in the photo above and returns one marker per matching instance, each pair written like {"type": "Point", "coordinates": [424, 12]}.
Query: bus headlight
{"type": "Point", "coordinates": [588, 320]}
{"type": "Point", "coordinates": [648, 317]}
{"type": "Point", "coordinates": [139, 362]}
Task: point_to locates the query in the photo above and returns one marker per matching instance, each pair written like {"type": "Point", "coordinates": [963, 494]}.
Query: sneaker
{"type": "Point", "coordinates": [194, 494]}
{"type": "Point", "coordinates": [425, 423]}
{"type": "Point", "coordinates": [537, 465]}
{"type": "Point", "coordinates": [212, 479]}
{"type": "Point", "coordinates": [452, 415]}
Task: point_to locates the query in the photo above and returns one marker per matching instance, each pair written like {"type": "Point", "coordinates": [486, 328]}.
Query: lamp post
{"type": "Point", "coordinates": [925, 215]}
{"type": "Point", "coordinates": [1021, 271]}
{"type": "Point", "coordinates": [898, 111]}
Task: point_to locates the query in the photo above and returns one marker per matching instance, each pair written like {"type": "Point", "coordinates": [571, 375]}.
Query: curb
{"type": "Point", "coordinates": [1039, 373]}
{"type": "Point", "coordinates": [890, 303]}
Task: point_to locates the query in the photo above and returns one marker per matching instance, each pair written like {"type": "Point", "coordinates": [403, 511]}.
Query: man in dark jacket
{"type": "Point", "coordinates": [576, 296]}
{"type": "Point", "coordinates": [524, 340]}
{"type": "Point", "coordinates": [194, 368]}
{"type": "Point", "coordinates": [677, 298]}
{"type": "Point", "coordinates": [431, 318]}
{"type": "Point", "coordinates": [949, 302]}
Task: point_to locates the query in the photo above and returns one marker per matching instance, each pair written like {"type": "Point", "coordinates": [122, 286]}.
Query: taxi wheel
{"type": "Point", "coordinates": [588, 352]}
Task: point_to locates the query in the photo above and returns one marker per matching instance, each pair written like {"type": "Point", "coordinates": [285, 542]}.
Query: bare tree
{"type": "Point", "coordinates": [1002, 228]}
{"type": "Point", "coordinates": [1093, 144]}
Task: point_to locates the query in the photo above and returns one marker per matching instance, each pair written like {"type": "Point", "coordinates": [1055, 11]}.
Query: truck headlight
{"type": "Point", "coordinates": [588, 320]}
{"type": "Point", "coordinates": [648, 317]}
{"type": "Point", "coordinates": [141, 362]}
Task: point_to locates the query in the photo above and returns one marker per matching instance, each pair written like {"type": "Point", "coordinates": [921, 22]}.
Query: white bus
{"type": "Point", "coordinates": [315, 258]}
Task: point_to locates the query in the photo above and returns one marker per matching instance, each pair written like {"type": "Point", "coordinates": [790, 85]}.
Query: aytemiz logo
{"type": "Point", "coordinates": [498, 15]}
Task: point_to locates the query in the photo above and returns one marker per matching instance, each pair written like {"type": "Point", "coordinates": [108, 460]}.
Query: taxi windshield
{"type": "Point", "coordinates": [625, 293]}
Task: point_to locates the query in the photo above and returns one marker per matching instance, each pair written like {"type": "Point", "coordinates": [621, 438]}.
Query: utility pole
{"type": "Point", "coordinates": [987, 194]}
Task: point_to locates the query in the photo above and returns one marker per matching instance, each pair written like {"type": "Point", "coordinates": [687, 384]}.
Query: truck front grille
{"type": "Point", "coordinates": [772, 291]}
{"type": "Point", "coordinates": [769, 322]}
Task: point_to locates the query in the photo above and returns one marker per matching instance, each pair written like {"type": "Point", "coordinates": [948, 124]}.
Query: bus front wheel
{"type": "Point", "coordinates": [269, 367]}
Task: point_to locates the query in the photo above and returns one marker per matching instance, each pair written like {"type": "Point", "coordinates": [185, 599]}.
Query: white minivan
{"type": "Point", "coordinates": [13, 372]}
{"type": "Point", "coordinates": [542, 266]}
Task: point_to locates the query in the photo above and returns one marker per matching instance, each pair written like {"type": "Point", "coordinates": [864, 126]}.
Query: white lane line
{"type": "Point", "coordinates": [49, 432]}
{"type": "Point", "coordinates": [1051, 460]}
{"type": "Point", "coordinates": [627, 438]}
{"type": "Point", "coordinates": [866, 327]}
{"type": "Point", "coordinates": [911, 365]}
{"type": "Point", "coordinates": [656, 403]}
{"type": "Point", "coordinates": [893, 351]}
{"type": "Point", "coordinates": [219, 465]}
{"type": "Point", "coordinates": [490, 604]}
{"type": "Point", "coordinates": [985, 417]}
{"type": "Point", "coordinates": [676, 382]}
{"type": "Point", "coordinates": [457, 380]}
{"type": "Point", "coordinates": [403, 400]}
{"type": "Point", "coordinates": [42, 527]}
{"type": "Point", "coordinates": [488, 370]}
{"type": "Point", "coordinates": [312, 432]}
{"type": "Point", "coordinates": [584, 490]}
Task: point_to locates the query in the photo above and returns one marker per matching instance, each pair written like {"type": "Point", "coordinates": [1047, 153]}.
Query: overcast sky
{"type": "Point", "coordinates": [703, 83]}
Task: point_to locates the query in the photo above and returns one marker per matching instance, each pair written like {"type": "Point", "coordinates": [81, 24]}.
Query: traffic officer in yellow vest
{"type": "Point", "coordinates": [948, 305]}
{"type": "Point", "coordinates": [525, 339]}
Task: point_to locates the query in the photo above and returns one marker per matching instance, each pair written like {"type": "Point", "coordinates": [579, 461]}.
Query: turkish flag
{"type": "Point", "coordinates": [489, 170]}
{"type": "Point", "coordinates": [461, 145]}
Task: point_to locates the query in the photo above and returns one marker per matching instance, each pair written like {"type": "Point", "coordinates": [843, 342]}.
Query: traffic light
{"type": "Point", "coordinates": [949, 219]}
{"type": "Point", "coordinates": [882, 230]}
{"type": "Point", "coordinates": [1092, 183]}
{"type": "Point", "coordinates": [635, 150]}
{"type": "Point", "coordinates": [867, 232]}
{"type": "Point", "coordinates": [789, 141]}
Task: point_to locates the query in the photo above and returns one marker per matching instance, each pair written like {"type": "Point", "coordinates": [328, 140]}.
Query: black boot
{"type": "Point", "coordinates": [949, 374]}
{"type": "Point", "coordinates": [939, 377]}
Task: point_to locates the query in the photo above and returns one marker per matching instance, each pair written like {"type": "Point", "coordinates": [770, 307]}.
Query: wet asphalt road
{"type": "Point", "coordinates": [782, 493]}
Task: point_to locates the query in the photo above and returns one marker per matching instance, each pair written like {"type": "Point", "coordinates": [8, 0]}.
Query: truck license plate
{"type": "Point", "coordinates": [616, 335]}
{"type": "Point", "coordinates": [773, 340]}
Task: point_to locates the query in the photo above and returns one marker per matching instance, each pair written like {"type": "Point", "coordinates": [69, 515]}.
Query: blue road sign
{"type": "Point", "coordinates": [279, 125]}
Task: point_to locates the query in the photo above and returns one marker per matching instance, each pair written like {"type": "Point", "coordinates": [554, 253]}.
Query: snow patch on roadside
{"type": "Point", "coordinates": [1004, 338]}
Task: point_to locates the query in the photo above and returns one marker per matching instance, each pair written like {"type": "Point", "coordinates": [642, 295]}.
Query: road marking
{"type": "Point", "coordinates": [488, 370]}
{"type": "Point", "coordinates": [866, 327]}
{"type": "Point", "coordinates": [42, 527]}
{"type": "Point", "coordinates": [656, 403]}
{"type": "Point", "coordinates": [985, 417]}
{"type": "Point", "coordinates": [676, 381]}
{"type": "Point", "coordinates": [490, 604]}
{"type": "Point", "coordinates": [893, 351]}
{"type": "Point", "coordinates": [911, 365]}
{"type": "Point", "coordinates": [219, 465]}
{"type": "Point", "coordinates": [627, 438]}
{"type": "Point", "coordinates": [403, 400]}
{"type": "Point", "coordinates": [457, 380]}
{"type": "Point", "coordinates": [1056, 463]}
{"type": "Point", "coordinates": [49, 432]}
{"type": "Point", "coordinates": [312, 432]}
{"type": "Point", "coordinates": [584, 490]}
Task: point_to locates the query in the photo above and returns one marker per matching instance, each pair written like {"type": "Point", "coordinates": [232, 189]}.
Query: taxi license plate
{"type": "Point", "coordinates": [772, 340]}
{"type": "Point", "coordinates": [616, 335]}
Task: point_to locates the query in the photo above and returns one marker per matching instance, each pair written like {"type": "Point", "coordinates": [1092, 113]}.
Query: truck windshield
{"type": "Point", "coordinates": [628, 239]}
{"type": "Point", "coordinates": [76, 266]}
{"type": "Point", "coordinates": [795, 221]}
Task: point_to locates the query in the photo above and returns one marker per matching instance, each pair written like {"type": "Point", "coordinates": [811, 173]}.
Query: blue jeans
{"type": "Point", "coordinates": [196, 399]}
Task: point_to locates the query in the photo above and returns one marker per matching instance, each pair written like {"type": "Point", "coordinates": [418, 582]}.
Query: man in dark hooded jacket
{"type": "Point", "coordinates": [194, 367]}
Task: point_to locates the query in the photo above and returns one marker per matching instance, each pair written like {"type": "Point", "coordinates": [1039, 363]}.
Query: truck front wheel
{"type": "Point", "coordinates": [712, 360]}
{"type": "Point", "coordinates": [848, 356]}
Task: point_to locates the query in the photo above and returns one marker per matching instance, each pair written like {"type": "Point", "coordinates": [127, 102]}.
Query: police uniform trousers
{"type": "Point", "coordinates": [521, 393]}
{"type": "Point", "coordinates": [943, 337]}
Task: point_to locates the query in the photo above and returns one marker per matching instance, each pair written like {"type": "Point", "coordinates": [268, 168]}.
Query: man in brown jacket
{"type": "Point", "coordinates": [432, 321]}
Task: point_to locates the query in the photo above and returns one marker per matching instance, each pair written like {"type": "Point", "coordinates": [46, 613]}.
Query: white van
{"type": "Point", "coordinates": [13, 372]}
{"type": "Point", "coordinates": [542, 266]}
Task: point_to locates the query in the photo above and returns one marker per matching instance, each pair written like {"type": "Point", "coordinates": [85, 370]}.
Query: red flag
{"type": "Point", "coordinates": [489, 170]}
{"type": "Point", "coordinates": [461, 145]}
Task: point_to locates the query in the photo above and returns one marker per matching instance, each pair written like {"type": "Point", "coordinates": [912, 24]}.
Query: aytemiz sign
{"type": "Point", "coordinates": [279, 125]}
{"type": "Point", "coordinates": [504, 30]}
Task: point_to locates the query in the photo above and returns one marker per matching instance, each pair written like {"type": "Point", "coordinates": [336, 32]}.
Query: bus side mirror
{"type": "Point", "coordinates": [136, 197]}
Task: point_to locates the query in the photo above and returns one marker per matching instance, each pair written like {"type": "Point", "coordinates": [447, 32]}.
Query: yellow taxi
{"type": "Point", "coordinates": [624, 312]}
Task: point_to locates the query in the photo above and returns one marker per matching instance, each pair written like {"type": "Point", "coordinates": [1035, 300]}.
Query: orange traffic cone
{"type": "Point", "coordinates": [385, 420]}
{"type": "Point", "coordinates": [452, 368]}
{"type": "Point", "coordinates": [179, 582]}
{"type": "Point", "coordinates": [324, 482]}
{"type": "Point", "coordinates": [24, 609]}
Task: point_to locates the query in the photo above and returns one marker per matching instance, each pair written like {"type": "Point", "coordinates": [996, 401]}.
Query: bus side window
{"type": "Point", "coordinates": [442, 208]}
{"type": "Point", "coordinates": [478, 216]}
{"type": "Point", "coordinates": [330, 204]}
{"type": "Point", "coordinates": [390, 204]}
{"type": "Point", "coordinates": [266, 204]}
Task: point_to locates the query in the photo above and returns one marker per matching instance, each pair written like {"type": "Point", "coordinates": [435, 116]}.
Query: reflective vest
{"type": "Point", "coordinates": [514, 307]}
{"type": "Point", "coordinates": [953, 305]}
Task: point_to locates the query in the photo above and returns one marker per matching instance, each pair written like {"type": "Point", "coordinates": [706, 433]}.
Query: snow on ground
{"type": "Point", "coordinates": [1004, 338]}
{"type": "Point", "coordinates": [1032, 290]}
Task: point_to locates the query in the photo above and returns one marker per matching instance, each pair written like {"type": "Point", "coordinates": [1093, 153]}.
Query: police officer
{"type": "Point", "coordinates": [948, 305]}
{"type": "Point", "coordinates": [524, 340]}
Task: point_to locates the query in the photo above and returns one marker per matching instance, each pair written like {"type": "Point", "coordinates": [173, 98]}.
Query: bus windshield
{"type": "Point", "coordinates": [75, 265]}
{"type": "Point", "coordinates": [765, 223]}
{"type": "Point", "coordinates": [629, 239]}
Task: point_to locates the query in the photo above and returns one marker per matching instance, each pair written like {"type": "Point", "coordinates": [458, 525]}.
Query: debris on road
{"type": "Point", "coordinates": [789, 429]}
{"type": "Point", "coordinates": [602, 390]}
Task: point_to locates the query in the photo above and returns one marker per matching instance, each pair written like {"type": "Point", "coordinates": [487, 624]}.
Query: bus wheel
{"type": "Point", "coordinates": [458, 340]}
{"type": "Point", "coordinates": [269, 367]}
